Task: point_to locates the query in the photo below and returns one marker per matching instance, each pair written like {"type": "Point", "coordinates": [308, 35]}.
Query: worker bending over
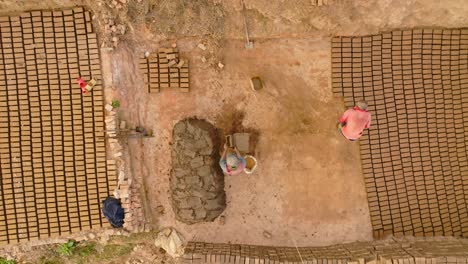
{"type": "Point", "coordinates": [354, 121]}
{"type": "Point", "coordinates": [231, 162]}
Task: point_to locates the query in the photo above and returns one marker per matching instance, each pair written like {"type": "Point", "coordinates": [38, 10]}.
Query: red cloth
{"type": "Point", "coordinates": [354, 121]}
{"type": "Point", "coordinates": [82, 84]}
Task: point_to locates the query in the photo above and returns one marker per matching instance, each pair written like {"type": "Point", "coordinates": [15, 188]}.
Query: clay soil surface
{"type": "Point", "coordinates": [308, 188]}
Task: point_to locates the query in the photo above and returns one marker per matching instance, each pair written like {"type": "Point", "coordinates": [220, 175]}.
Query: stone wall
{"type": "Point", "coordinates": [127, 187]}
{"type": "Point", "coordinates": [197, 182]}
{"type": "Point", "coordinates": [396, 251]}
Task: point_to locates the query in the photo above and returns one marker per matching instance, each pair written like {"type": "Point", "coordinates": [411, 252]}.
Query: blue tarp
{"type": "Point", "coordinates": [113, 211]}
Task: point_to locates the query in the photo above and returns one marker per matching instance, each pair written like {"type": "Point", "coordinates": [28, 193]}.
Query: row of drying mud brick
{"type": "Point", "coordinates": [402, 251]}
{"type": "Point", "coordinates": [165, 69]}
{"type": "Point", "coordinates": [414, 156]}
{"type": "Point", "coordinates": [53, 167]}
{"type": "Point", "coordinates": [51, 45]}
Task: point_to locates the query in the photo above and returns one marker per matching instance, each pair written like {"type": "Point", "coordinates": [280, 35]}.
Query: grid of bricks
{"type": "Point", "coordinates": [414, 156]}
{"type": "Point", "coordinates": [53, 171]}
{"type": "Point", "coordinates": [442, 251]}
{"type": "Point", "coordinates": [162, 70]}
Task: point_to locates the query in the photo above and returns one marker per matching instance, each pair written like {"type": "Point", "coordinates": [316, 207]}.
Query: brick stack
{"type": "Point", "coordinates": [164, 69]}
{"type": "Point", "coordinates": [52, 152]}
{"type": "Point", "coordinates": [414, 157]}
{"type": "Point", "coordinates": [411, 251]}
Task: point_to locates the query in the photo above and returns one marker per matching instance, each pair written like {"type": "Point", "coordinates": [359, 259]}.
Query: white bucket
{"type": "Point", "coordinates": [251, 164]}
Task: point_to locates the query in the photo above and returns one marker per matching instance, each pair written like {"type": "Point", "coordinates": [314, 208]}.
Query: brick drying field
{"type": "Point", "coordinates": [414, 156]}
{"type": "Point", "coordinates": [53, 171]}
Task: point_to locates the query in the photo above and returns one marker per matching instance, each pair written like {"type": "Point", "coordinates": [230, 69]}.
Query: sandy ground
{"type": "Point", "coordinates": [308, 189]}
{"type": "Point", "coordinates": [297, 194]}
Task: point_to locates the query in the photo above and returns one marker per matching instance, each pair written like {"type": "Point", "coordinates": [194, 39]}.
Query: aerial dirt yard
{"type": "Point", "coordinates": [298, 193]}
{"type": "Point", "coordinates": [308, 188]}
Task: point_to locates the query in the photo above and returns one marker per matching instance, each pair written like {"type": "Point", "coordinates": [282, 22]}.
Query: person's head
{"type": "Point", "coordinates": [362, 104]}
{"type": "Point", "coordinates": [232, 162]}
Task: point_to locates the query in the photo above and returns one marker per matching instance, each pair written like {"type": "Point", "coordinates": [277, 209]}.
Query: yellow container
{"type": "Point", "coordinates": [251, 164]}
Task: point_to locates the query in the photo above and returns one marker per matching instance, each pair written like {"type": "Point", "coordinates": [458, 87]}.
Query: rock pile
{"type": "Point", "coordinates": [197, 182]}
{"type": "Point", "coordinates": [171, 241]}
{"type": "Point", "coordinates": [113, 30]}
{"type": "Point", "coordinates": [127, 187]}
{"type": "Point", "coordinates": [111, 18]}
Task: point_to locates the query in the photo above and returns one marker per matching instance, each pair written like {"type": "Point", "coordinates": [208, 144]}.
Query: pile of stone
{"type": "Point", "coordinates": [113, 31]}
{"type": "Point", "coordinates": [127, 188]}
{"type": "Point", "coordinates": [321, 2]}
{"type": "Point", "coordinates": [197, 182]}
{"type": "Point", "coordinates": [110, 13]}
{"type": "Point", "coordinates": [117, 4]}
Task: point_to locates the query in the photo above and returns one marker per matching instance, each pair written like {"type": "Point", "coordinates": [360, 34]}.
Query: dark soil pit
{"type": "Point", "coordinates": [197, 182]}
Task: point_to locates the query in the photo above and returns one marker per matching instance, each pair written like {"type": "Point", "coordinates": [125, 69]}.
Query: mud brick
{"type": "Point", "coordinates": [171, 56]}
{"type": "Point", "coordinates": [154, 90]}
{"type": "Point", "coordinates": [174, 75]}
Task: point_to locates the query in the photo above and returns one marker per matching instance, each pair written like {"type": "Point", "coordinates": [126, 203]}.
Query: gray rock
{"type": "Point", "coordinates": [194, 202]}
{"type": "Point", "coordinates": [190, 153]}
{"type": "Point", "coordinates": [211, 215]}
{"type": "Point", "coordinates": [182, 186]}
{"type": "Point", "coordinates": [189, 144]}
{"type": "Point", "coordinates": [200, 144]}
{"type": "Point", "coordinates": [192, 180]}
{"type": "Point", "coordinates": [176, 162]}
{"type": "Point", "coordinates": [186, 214]}
{"type": "Point", "coordinates": [197, 134]}
{"type": "Point", "coordinates": [171, 241]}
{"type": "Point", "coordinates": [208, 183]}
{"type": "Point", "coordinates": [204, 171]}
{"type": "Point", "coordinates": [207, 139]}
{"type": "Point", "coordinates": [197, 162]}
{"type": "Point", "coordinates": [179, 128]}
{"type": "Point", "coordinates": [178, 195]}
{"type": "Point", "coordinates": [200, 213]}
{"type": "Point", "coordinates": [213, 204]}
{"type": "Point", "coordinates": [179, 173]}
{"type": "Point", "coordinates": [206, 151]}
{"type": "Point", "coordinates": [190, 128]}
{"type": "Point", "coordinates": [203, 194]}
{"type": "Point", "coordinates": [184, 204]}
{"type": "Point", "coordinates": [173, 184]}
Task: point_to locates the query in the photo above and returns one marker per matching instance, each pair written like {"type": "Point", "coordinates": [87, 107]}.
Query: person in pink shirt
{"type": "Point", "coordinates": [354, 121]}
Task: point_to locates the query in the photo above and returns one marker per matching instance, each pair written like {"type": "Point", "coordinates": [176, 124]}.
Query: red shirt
{"type": "Point", "coordinates": [356, 120]}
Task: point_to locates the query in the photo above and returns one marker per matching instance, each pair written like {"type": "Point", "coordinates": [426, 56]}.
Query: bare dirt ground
{"type": "Point", "coordinates": [308, 189]}
{"type": "Point", "coordinates": [298, 148]}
